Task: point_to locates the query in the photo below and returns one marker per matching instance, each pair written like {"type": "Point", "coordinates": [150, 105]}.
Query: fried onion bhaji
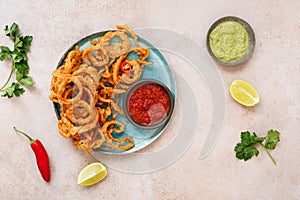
{"type": "Point", "coordinates": [88, 87]}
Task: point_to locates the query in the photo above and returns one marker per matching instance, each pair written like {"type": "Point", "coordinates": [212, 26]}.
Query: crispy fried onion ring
{"type": "Point", "coordinates": [111, 44]}
{"type": "Point", "coordinates": [122, 143]}
{"type": "Point", "coordinates": [88, 87]}
{"type": "Point", "coordinates": [95, 55]}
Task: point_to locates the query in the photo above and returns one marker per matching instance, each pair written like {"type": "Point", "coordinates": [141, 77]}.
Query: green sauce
{"type": "Point", "coordinates": [229, 41]}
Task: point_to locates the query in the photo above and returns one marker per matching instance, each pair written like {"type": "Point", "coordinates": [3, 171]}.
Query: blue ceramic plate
{"type": "Point", "coordinates": [159, 70]}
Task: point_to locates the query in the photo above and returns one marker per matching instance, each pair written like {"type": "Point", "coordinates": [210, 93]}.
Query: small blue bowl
{"type": "Point", "coordinates": [138, 84]}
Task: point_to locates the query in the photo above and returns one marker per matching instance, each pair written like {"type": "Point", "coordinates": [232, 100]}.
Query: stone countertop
{"type": "Point", "coordinates": [273, 70]}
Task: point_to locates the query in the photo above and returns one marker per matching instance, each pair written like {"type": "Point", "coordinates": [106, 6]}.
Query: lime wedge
{"type": "Point", "coordinates": [244, 93]}
{"type": "Point", "coordinates": [91, 174]}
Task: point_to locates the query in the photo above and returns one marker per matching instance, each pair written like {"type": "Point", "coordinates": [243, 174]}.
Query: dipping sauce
{"type": "Point", "coordinates": [229, 41]}
{"type": "Point", "coordinates": [148, 104]}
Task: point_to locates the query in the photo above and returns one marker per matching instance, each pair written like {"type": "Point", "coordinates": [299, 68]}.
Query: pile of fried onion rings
{"type": "Point", "coordinates": [88, 87]}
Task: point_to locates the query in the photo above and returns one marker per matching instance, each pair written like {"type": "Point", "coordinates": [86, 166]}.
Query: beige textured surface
{"type": "Point", "coordinates": [274, 70]}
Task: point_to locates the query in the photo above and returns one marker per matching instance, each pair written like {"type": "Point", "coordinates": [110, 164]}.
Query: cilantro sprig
{"type": "Point", "coordinates": [246, 149]}
{"type": "Point", "coordinates": [18, 56]}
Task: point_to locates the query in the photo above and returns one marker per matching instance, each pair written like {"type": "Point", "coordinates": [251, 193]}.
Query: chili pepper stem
{"type": "Point", "coordinates": [21, 132]}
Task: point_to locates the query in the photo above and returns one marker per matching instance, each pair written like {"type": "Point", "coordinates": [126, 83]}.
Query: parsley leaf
{"type": "Point", "coordinates": [245, 153]}
{"type": "Point", "coordinates": [19, 62]}
{"type": "Point", "coordinates": [27, 81]}
{"type": "Point", "coordinates": [7, 31]}
{"type": "Point", "coordinates": [18, 56]}
{"type": "Point", "coordinates": [26, 42]}
{"type": "Point", "coordinates": [246, 149]}
{"type": "Point", "coordinates": [4, 53]}
{"type": "Point", "coordinates": [12, 31]}
{"type": "Point", "coordinates": [13, 90]}
{"type": "Point", "coordinates": [272, 139]}
{"type": "Point", "coordinates": [22, 69]}
{"type": "Point", "coordinates": [18, 41]}
{"type": "Point", "coordinates": [249, 152]}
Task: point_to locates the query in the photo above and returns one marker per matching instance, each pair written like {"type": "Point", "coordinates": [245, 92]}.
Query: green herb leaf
{"type": "Point", "coordinates": [239, 149]}
{"type": "Point", "coordinates": [18, 56]}
{"type": "Point", "coordinates": [247, 139]}
{"type": "Point", "coordinates": [9, 92]}
{"type": "Point", "coordinates": [272, 139]}
{"type": "Point", "coordinates": [249, 152]}
{"type": "Point", "coordinates": [26, 43]}
{"type": "Point", "coordinates": [246, 149]}
{"type": "Point", "coordinates": [256, 139]}
{"type": "Point", "coordinates": [12, 31]}
{"type": "Point", "coordinates": [4, 53]}
{"type": "Point", "coordinates": [19, 62]}
{"type": "Point", "coordinates": [18, 90]}
{"type": "Point", "coordinates": [22, 69]}
{"type": "Point", "coordinates": [13, 90]}
{"type": "Point", "coordinates": [19, 75]}
{"type": "Point", "coordinates": [23, 43]}
{"type": "Point", "coordinates": [18, 43]}
{"type": "Point", "coordinates": [7, 31]}
{"type": "Point", "coordinates": [27, 81]}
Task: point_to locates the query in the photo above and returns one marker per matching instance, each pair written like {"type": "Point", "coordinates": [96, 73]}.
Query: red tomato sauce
{"type": "Point", "coordinates": [148, 104]}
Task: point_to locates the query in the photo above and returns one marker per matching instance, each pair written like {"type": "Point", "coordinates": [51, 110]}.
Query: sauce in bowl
{"type": "Point", "coordinates": [148, 104]}
{"type": "Point", "coordinates": [229, 41]}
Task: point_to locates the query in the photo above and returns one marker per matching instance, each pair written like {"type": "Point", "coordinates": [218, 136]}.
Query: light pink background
{"type": "Point", "coordinates": [274, 70]}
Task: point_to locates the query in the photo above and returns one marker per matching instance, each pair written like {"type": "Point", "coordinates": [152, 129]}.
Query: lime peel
{"type": "Point", "coordinates": [244, 93]}
{"type": "Point", "coordinates": [92, 174]}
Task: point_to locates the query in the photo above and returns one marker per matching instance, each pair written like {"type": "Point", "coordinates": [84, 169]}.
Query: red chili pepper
{"type": "Point", "coordinates": [125, 67]}
{"type": "Point", "coordinates": [40, 155]}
